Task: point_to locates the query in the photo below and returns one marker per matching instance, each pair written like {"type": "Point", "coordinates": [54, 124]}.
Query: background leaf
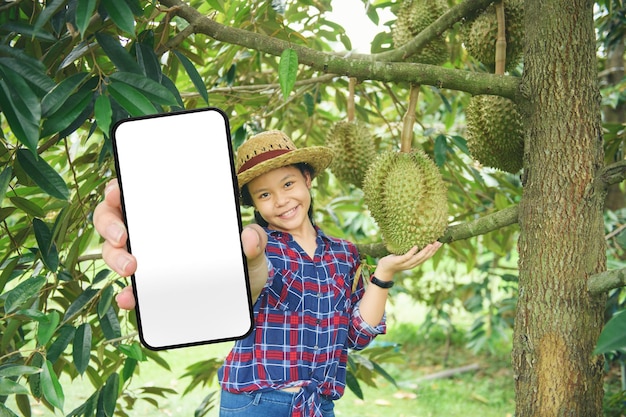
{"type": "Point", "coordinates": [47, 327]}
{"type": "Point", "coordinates": [84, 11]}
{"type": "Point", "coordinates": [43, 174]}
{"type": "Point", "coordinates": [613, 336]}
{"type": "Point", "coordinates": [24, 291]}
{"type": "Point", "coordinates": [288, 71]}
{"type": "Point", "coordinates": [21, 108]}
{"type": "Point", "coordinates": [131, 99]}
{"type": "Point", "coordinates": [47, 247]}
{"type": "Point", "coordinates": [5, 178]}
{"type": "Point", "coordinates": [51, 388]}
{"type": "Point", "coordinates": [196, 79]}
{"type": "Point", "coordinates": [110, 393]}
{"type": "Point", "coordinates": [120, 14]}
{"type": "Point", "coordinates": [81, 351]}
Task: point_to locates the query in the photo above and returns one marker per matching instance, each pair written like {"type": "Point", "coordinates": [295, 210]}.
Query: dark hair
{"type": "Point", "coordinates": [246, 198]}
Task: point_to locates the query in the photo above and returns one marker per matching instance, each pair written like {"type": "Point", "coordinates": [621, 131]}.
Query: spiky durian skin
{"type": "Point", "coordinates": [495, 134]}
{"type": "Point", "coordinates": [353, 151]}
{"type": "Point", "coordinates": [406, 195]}
{"type": "Point", "coordinates": [413, 17]}
{"type": "Point", "coordinates": [481, 36]}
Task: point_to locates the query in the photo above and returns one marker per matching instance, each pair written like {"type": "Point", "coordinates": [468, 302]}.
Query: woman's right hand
{"type": "Point", "coordinates": [108, 221]}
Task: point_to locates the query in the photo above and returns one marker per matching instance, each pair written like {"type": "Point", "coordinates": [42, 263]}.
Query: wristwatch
{"type": "Point", "coordinates": [382, 284]}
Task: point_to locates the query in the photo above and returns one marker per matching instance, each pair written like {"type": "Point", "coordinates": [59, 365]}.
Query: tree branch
{"type": "Point", "coordinates": [353, 66]}
{"type": "Point", "coordinates": [607, 280]}
{"type": "Point", "coordinates": [468, 10]}
{"type": "Point", "coordinates": [613, 174]}
{"type": "Point", "coordinates": [486, 224]}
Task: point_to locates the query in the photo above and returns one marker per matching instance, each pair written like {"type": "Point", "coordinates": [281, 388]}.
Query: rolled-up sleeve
{"type": "Point", "coordinates": [361, 333]}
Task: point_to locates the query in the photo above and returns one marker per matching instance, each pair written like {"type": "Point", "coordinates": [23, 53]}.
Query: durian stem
{"type": "Point", "coordinates": [351, 110]}
{"type": "Point", "coordinates": [501, 39]}
{"type": "Point", "coordinates": [406, 139]}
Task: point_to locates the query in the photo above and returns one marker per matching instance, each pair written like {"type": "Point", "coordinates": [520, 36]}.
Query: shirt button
{"type": "Point", "coordinates": [316, 347]}
{"type": "Point", "coordinates": [318, 295]}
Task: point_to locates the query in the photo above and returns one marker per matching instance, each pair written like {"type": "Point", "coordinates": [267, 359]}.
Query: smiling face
{"type": "Point", "coordinates": [283, 198]}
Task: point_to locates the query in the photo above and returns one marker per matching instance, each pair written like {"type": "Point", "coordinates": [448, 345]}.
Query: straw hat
{"type": "Point", "coordinates": [273, 149]}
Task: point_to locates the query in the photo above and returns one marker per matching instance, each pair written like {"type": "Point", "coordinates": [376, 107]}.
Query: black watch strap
{"type": "Point", "coordinates": [382, 284]}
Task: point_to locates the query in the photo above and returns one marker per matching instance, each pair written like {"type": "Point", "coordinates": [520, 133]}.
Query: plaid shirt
{"type": "Point", "coordinates": [306, 319]}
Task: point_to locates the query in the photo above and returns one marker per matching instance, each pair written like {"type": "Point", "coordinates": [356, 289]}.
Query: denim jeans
{"type": "Point", "coordinates": [265, 404]}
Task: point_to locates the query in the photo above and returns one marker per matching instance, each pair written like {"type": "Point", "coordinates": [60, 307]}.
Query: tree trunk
{"type": "Point", "coordinates": [561, 242]}
{"type": "Point", "coordinates": [615, 199]}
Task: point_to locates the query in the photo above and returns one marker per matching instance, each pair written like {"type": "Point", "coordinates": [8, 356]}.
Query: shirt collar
{"type": "Point", "coordinates": [286, 237]}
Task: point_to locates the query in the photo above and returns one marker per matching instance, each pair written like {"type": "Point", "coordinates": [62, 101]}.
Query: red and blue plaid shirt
{"type": "Point", "coordinates": [306, 319]}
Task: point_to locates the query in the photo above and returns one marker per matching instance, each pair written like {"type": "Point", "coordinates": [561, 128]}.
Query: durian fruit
{"type": "Point", "coordinates": [406, 195]}
{"type": "Point", "coordinates": [353, 151]}
{"type": "Point", "coordinates": [481, 36]}
{"type": "Point", "coordinates": [495, 134]}
{"type": "Point", "coordinates": [413, 17]}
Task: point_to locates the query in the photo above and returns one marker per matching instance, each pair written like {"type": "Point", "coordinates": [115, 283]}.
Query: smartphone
{"type": "Point", "coordinates": [180, 203]}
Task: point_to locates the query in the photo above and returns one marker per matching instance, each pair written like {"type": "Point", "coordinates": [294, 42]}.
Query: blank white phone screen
{"type": "Point", "coordinates": [180, 204]}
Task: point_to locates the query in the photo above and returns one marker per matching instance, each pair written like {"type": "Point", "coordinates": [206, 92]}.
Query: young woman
{"type": "Point", "coordinates": [311, 304]}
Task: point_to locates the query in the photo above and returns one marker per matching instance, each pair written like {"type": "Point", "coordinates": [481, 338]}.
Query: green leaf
{"type": "Point", "coordinates": [110, 325]}
{"type": "Point", "coordinates": [288, 71]}
{"type": "Point", "coordinates": [19, 370]}
{"type": "Point", "coordinates": [34, 381]}
{"type": "Point", "coordinates": [43, 174]}
{"type": "Point", "coordinates": [16, 99]}
{"type": "Point", "coordinates": [5, 178]}
{"type": "Point", "coordinates": [120, 57]}
{"type": "Point", "coordinates": [46, 328]}
{"type": "Point", "coordinates": [120, 14]}
{"type": "Point", "coordinates": [47, 247]}
{"type": "Point", "coordinates": [7, 273]}
{"type": "Point", "coordinates": [66, 335]}
{"type": "Point", "coordinates": [217, 5]}
{"type": "Point", "coordinates": [79, 303]}
{"type": "Point", "coordinates": [106, 298]}
{"type": "Point", "coordinates": [613, 336]}
{"type": "Point", "coordinates": [148, 61]}
{"type": "Point", "coordinates": [129, 368]}
{"type": "Point", "coordinates": [9, 387]}
{"type": "Point", "coordinates": [6, 412]}
{"type": "Point", "coordinates": [81, 351]}
{"type": "Point", "coordinates": [103, 114]}
{"type": "Point", "coordinates": [71, 110]}
{"type": "Point", "coordinates": [30, 72]}
{"type": "Point", "coordinates": [52, 7]}
{"type": "Point", "coordinates": [135, 103]}
{"type": "Point", "coordinates": [32, 314]}
{"type": "Point", "coordinates": [23, 403]}
{"type": "Point", "coordinates": [110, 393]}
{"type": "Point", "coordinates": [84, 11]}
{"type": "Point", "coordinates": [353, 384]}
{"type": "Point", "coordinates": [51, 388]}
{"type": "Point", "coordinates": [18, 296]}
{"type": "Point", "coordinates": [149, 88]}
{"type": "Point", "coordinates": [28, 206]}
{"type": "Point", "coordinates": [59, 94]}
{"type": "Point", "coordinates": [193, 74]}
{"type": "Point", "coordinates": [133, 351]}
{"type": "Point", "coordinates": [441, 149]}
{"type": "Point", "coordinates": [28, 31]}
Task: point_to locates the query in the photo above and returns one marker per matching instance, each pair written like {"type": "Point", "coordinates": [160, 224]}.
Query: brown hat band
{"type": "Point", "coordinates": [257, 159]}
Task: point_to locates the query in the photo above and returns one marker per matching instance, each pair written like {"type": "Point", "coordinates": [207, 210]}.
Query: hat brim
{"type": "Point", "coordinates": [317, 157]}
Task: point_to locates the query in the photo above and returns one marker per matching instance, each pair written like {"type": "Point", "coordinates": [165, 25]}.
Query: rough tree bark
{"type": "Point", "coordinates": [561, 243]}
